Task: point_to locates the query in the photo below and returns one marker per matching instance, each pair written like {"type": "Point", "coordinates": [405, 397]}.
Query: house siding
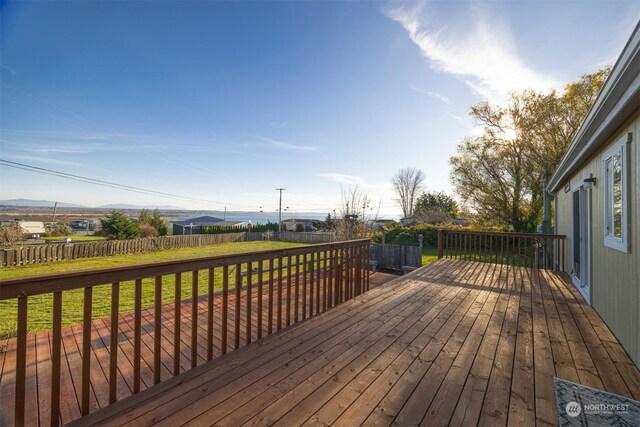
{"type": "Point", "coordinates": [615, 276]}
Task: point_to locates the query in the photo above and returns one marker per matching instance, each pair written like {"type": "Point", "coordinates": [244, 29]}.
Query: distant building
{"type": "Point", "coordinates": [383, 224]}
{"type": "Point", "coordinates": [407, 222]}
{"type": "Point", "coordinates": [292, 223]}
{"type": "Point", "coordinates": [34, 229]}
{"type": "Point", "coordinates": [460, 221]}
{"type": "Point", "coordinates": [193, 225]}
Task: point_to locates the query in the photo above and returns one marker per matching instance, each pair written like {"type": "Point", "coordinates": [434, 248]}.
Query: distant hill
{"type": "Point", "coordinates": [126, 206]}
{"type": "Point", "coordinates": [37, 203]}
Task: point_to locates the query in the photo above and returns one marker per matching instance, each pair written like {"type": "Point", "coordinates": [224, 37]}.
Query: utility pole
{"type": "Point", "coordinates": [280, 208]}
{"type": "Point", "coordinates": [55, 207]}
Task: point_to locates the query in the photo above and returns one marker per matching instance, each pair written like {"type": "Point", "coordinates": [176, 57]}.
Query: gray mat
{"type": "Point", "coordinates": [580, 405]}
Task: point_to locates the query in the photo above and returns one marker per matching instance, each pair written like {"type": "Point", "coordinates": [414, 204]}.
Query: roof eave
{"type": "Point", "coordinates": [617, 101]}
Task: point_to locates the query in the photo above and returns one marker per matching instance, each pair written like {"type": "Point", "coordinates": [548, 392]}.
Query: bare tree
{"type": "Point", "coordinates": [10, 235]}
{"type": "Point", "coordinates": [407, 183]}
{"type": "Point", "coordinates": [357, 214]}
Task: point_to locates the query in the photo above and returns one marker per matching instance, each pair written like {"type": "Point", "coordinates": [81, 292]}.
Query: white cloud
{"type": "Point", "coordinates": [342, 178]}
{"type": "Point", "coordinates": [9, 69]}
{"type": "Point", "coordinates": [288, 147]}
{"type": "Point", "coordinates": [435, 95]}
{"type": "Point", "coordinates": [48, 160]}
{"type": "Point", "coordinates": [484, 56]}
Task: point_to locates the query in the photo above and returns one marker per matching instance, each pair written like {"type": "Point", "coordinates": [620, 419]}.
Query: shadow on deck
{"type": "Point", "coordinates": [456, 342]}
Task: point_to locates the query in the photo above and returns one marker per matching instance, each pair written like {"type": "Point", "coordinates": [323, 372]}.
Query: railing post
{"type": "Point", "coordinates": [440, 243]}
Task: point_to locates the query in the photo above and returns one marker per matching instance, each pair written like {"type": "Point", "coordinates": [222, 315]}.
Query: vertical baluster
{"type": "Point", "coordinates": [86, 350]}
{"type": "Point", "coordinates": [21, 360]}
{"type": "Point", "coordinates": [322, 269]}
{"type": "Point", "coordinates": [260, 290]}
{"type": "Point", "coordinates": [238, 293]}
{"type": "Point", "coordinates": [137, 332]}
{"type": "Point", "coordinates": [368, 272]}
{"type": "Point", "coordinates": [194, 318]}
{"type": "Point", "coordinates": [318, 283]}
{"type": "Point", "coordinates": [304, 287]}
{"type": "Point", "coordinates": [270, 298]}
{"type": "Point", "coordinates": [210, 305]}
{"type": "Point", "coordinates": [157, 330]}
{"type": "Point", "coordinates": [279, 302]}
{"type": "Point", "coordinates": [56, 347]}
{"type": "Point", "coordinates": [225, 309]}
{"type": "Point", "coordinates": [328, 267]}
{"type": "Point", "coordinates": [248, 302]}
{"type": "Point", "coordinates": [309, 264]}
{"type": "Point", "coordinates": [296, 303]}
{"type": "Point", "coordinates": [289, 267]}
{"type": "Point", "coordinates": [177, 308]}
{"type": "Point", "coordinates": [113, 343]}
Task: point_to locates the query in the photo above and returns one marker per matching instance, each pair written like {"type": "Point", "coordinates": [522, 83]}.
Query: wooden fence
{"type": "Point", "coordinates": [38, 254]}
{"type": "Point", "coordinates": [524, 249]}
{"type": "Point", "coordinates": [395, 257]}
{"type": "Point", "coordinates": [277, 288]}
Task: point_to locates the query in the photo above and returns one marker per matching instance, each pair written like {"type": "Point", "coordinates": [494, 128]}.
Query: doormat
{"type": "Point", "coordinates": [579, 405]}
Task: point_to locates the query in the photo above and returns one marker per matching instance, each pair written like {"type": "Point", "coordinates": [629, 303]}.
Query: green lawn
{"type": "Point", "coordinates": [429, 254]}
{"type": "Point", "coordinates": [40, 312]}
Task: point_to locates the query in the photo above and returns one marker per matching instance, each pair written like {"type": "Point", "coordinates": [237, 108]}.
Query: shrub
{"type": "Point", "coordinates": [147, 230]}
{"type": "Point", "coordinates": [10, 235]}
{"type": "Point", "coordinates": [117, 226]}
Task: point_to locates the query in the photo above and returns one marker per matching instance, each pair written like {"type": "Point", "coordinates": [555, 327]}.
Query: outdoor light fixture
{"type": "Point", "coordinates": [590, 180]}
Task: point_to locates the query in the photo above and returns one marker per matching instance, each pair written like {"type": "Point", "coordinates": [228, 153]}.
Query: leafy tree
{"type": "Point", "coordinates": [117, 226]}
{"type": "Point", "coordinates": [435, 208]}
{"type": "Point", "coordinates": [299, 228]}
{"type": "Point", "coordinates": [154, 220]}
{"type": "Point", "coordinates": [500, 172]}
{"type": "Point", "coordinates": [60, 229]}
{"type": "Point", "coordinates": [159, 224]}
{"type": "Point", "coordinates": [11, 234]}
{"type": "Point", "coordinates": [407, 183]}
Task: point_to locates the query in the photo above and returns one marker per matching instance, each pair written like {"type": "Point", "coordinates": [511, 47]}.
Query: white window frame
{"type": "Point", "coordinates": [610, 240]}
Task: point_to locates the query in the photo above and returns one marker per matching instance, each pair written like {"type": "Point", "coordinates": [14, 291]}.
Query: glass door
{"type": "Point", "coordinates": [581, 241]}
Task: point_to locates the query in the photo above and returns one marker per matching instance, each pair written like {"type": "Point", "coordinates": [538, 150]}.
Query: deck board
{"type": "Point", "coordinates": [456, 342]}
{"type": "Point", "coordinates": [39, 355]}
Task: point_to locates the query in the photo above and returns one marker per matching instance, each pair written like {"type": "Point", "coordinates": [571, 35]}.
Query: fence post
{"type": "Point", "coordinates": [440, 243]}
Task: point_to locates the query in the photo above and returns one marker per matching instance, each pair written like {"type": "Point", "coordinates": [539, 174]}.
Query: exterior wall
{"type": "Point", "coordinates": [615, 276]}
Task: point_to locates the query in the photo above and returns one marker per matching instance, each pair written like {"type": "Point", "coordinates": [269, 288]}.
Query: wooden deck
{"type": "Point", "coordinates": [39, 356]}
{"type": "Point", "coordinates": [456, 342]}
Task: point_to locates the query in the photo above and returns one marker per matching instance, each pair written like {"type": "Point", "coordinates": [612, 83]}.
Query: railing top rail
{"type": "Point", "coordinates": [42, 284]}
{"type": "Point", "coordinates": [506, 234]}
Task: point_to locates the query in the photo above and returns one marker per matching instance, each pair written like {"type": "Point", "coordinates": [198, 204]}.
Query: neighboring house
{"type": "Point", "coordinates": [292, 223]}
{"type": "Point", "coordinates": [382, 224]}
{"type": "Point", "coordinates": [597, 197]}
{"type": "Point", "coordinates": [407, 222]}
{"type": "Point", "coordinates": [192, 225]}
{"type": "Point", "coordinates": [460, 222]}
{"type": "Point", "coordinates": [32, 229]}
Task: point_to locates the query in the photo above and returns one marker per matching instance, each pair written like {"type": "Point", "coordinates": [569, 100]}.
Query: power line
{"type": "Point", "coordinates": [103, 183]}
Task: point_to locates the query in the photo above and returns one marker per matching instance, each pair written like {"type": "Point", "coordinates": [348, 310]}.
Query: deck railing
{"type": "Point", "coordinates": [525, 249]}
{"type": "Point", "coordinates": [277, 288]}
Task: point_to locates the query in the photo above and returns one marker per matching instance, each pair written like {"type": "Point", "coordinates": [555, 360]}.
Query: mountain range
{"type": "Point", "coordinates": [49, 203]}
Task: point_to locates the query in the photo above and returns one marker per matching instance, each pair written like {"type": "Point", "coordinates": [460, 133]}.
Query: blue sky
{"type": "Point", "coordinates": [225, 101]}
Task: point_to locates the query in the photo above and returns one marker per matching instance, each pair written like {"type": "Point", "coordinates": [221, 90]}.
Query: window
{"type": "Point", "coordinates": [616, 229]}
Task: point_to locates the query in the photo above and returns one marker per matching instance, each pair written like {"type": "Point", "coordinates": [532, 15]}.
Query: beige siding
{"type": "Point", "coordinates": [615, 276]}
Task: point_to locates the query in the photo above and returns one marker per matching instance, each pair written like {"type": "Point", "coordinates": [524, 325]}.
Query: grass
{"type": "Point", "coordinates": [40, 306]}
{"type": "Point", "coordinates": [429, 254]}
{"type": "Point", "coordinates": [75, 238]}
